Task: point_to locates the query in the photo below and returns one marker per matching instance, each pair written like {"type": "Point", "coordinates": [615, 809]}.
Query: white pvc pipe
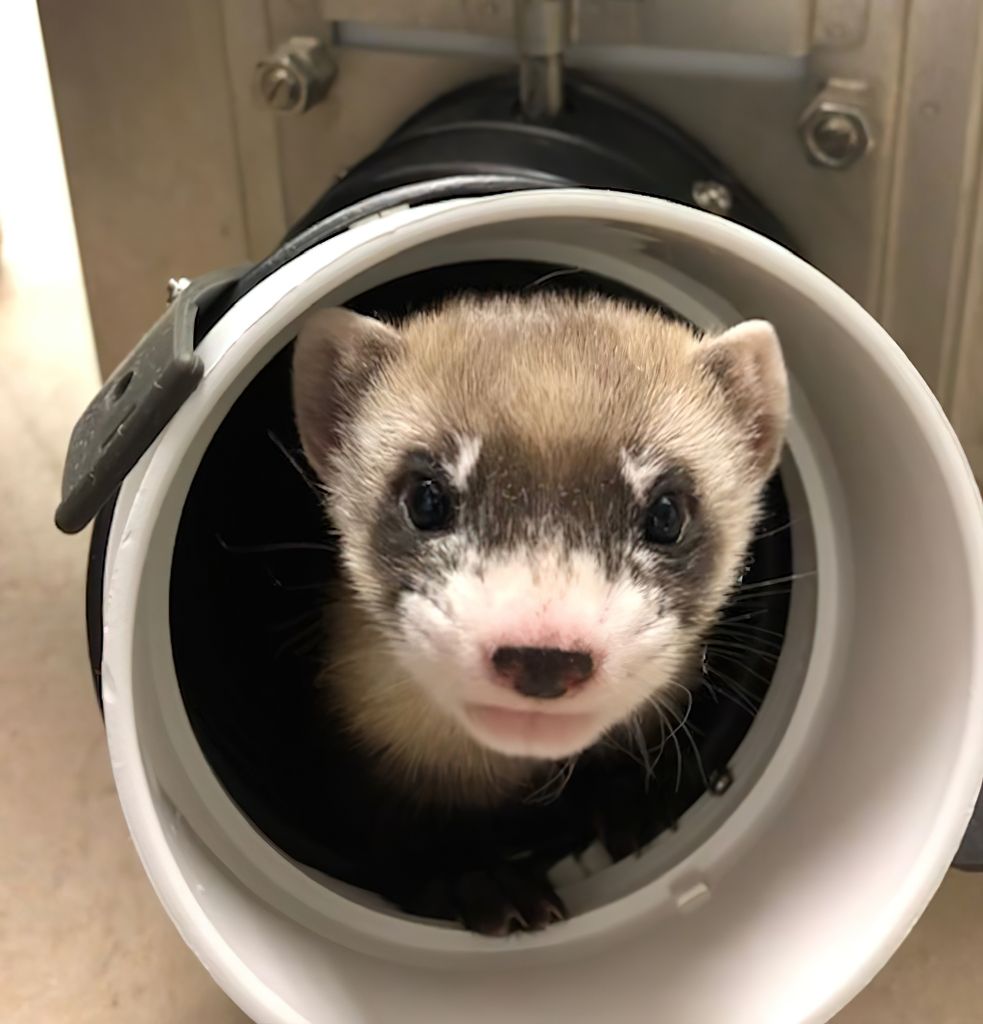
{"type": "Point", "coordinates": [865, 760]}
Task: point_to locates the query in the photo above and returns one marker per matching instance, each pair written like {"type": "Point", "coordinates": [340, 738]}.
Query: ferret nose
{"type": "Point", "coordinates": [542, 672]}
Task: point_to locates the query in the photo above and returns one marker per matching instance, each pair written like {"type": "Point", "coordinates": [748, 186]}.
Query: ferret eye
{"type": "Point", "coordinates": [665, 520]}
{"type": "Point", "coordinates": [429, 504]}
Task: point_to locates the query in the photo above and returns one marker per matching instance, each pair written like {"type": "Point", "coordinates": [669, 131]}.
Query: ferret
{"type": "Point", "coordinates": [542, 504]}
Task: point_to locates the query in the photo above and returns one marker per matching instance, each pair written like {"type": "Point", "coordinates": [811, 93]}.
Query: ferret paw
{"type": "Point", "coordinates": [496, 901]}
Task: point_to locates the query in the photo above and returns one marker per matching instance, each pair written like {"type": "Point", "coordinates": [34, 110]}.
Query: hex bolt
{"type": "Point", "coordinates": [296, 76]}
{"type": "Point", "coordinates": [835, 132]}
{"type": "Point", "coordinates": [712, 196]}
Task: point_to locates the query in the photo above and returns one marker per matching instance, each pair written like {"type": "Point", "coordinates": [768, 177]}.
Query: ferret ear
{"type": "Point", "coordinates": [746, 363]}
{"type": "Point", "coordinates": [336, 355]}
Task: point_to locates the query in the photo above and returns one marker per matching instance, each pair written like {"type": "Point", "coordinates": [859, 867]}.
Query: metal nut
{"type": "Point", "coordinates": [296, 76]}
{"type": "Point", "coordinates": [835, 134]}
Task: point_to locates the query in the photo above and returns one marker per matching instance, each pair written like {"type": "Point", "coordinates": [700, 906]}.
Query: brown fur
{"type": "Point", "coordinates": [558, 376]}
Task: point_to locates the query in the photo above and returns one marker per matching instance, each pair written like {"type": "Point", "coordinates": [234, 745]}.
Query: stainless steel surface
{"type": "Point", "coordinates": [713, 197]}
{"type": "Point", "coordinates": [181, 169]}
{"type": "Point", "coordinates": [141, 91]}
{"type": "Point", "coordinates": [759, 27]}
{"type": "Point", "coordinates": [931, 282]}
{"type": "Point", "coordinates": [838, 23]}
{"type": "Point", "coordinates": [248, 38]}
{"type": "Point", "coordinates": [542, 31]}
{"type": "Point", "coordinates": [295, 76]}
{"type": "Point", "coordinates": [834, 126]}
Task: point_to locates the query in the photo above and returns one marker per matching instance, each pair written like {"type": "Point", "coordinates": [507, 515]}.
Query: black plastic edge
{"type": "Point", "coordinates": [415, 194]}
{"type": "Point", "coordinates": [95, 585]}
{"type": "Point", "coordinates": [969, 856]}
{"type": "Point", "coordinates": [134, 405]}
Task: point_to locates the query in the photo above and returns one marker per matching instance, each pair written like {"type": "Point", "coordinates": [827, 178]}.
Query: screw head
{"type": "Point", "coordinates": [175, 286]}
{"type": "Point", "coordinates": [295, 76]}
{"type": "Point", "coordinates": [280, 87]}
{"type": "Point", "coordinates": [721, 781]}
{"type": "Point", "coordinates": [835, 135]}
{"type": "Point", "coordinates": [712, 196]}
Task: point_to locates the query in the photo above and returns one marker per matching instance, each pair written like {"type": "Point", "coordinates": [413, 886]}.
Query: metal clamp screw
{"type": "Point", "coordinates": [176, 285]}
{"type": "Point", "coordinates": [296, 76]}
{"type": "Point", "coordinates": [712, 196]}
{"type": "Point", "coordinates": [720, 781]}
{"type": "Point", "coordinates": [835, 131]}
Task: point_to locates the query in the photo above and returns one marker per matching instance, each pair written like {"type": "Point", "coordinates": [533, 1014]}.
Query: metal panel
{"type": "Point", "coordinates": [175, 169]}
{"type": "Point", "coordinates": [936, 177]}
{"type": "Point", "coordinates": [966, 404]}
{"type": "Point", "coordinates": [142, 97]}
{"type": "Point", "coordinates": [745, 106]}
{"type": "Point", "coordinates": [247, 41]}
{"type": "Point", "coordinates": [742, 26]}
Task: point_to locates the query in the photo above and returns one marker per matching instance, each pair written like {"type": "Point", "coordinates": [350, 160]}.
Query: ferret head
{"type": "Point", "coordinates": [543, 502]}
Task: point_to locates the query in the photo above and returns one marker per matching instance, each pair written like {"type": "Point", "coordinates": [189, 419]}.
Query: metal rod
{"type": "Point", "coordinates": [542, 30]}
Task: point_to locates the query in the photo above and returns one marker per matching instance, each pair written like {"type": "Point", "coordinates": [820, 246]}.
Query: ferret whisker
{"type": "Point", "coordinates": [752, 647]}
{"type": "Point", "coordinates": [688, 733]}
{"type": "Point", "coordinates": [308, 617]}
{"type": "Point", "coordinates": [690, 697]}
{"type": "Point", "coordinates": [746, 627]}
{"type": "Point", "coordinates": [776, 530]}
{"type": "Point", "coordinates": [737, 651]}
{"type": "Point", "coordinates": [748, 633]}
{"type": "Point", "coordinates": [734, 682]}
{"type": "Point", "coordinates": [315, 487]}
{"type": "Point", "coordinates": [730, 658]}
{"type": "Point", "coordinates": [762, 595]}
{"type": "Point", "coordinates": [560, 272]}
{"type": "Point", "coordinates": [643, 750]}
{"type": "Point", "coordinates": [293, 587]}
{"type": "Point", "coordinates": [553, 787]}
{"type": "Point", "coordinates": [679, 750]}
{"type": "Point", "coordinates": [746, 616]}
{"type": "Point", "coordinates": [732, 697]}
{"type": "Point", "coordinates": [304, 637]}
{"type": "Point", "coordinates": [665, 708]}
{"type": "Point", "coordinates": [791, 578]}
{"type": "Point", "coordinates": [734, 689]}
{"type": "Point", "coordinates": [260, 549]}
{"type": "Point", "coordinates": [608, 740]}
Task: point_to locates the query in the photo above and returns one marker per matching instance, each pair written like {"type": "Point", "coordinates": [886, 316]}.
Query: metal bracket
{"type": "Point", "coordinates": [135, 404]}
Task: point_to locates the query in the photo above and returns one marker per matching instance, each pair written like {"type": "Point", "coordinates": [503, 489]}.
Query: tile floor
{"type": "Point", "coordinates": [82, 938]}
